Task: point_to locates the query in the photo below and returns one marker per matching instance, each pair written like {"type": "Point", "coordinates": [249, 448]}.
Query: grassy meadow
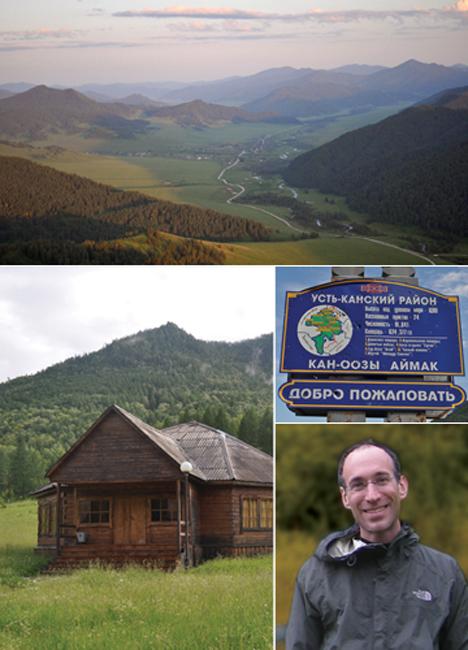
{"type": "Point", "coordinates": [325, 250]}
{"type": "Point", "coordinates": [224, 603]}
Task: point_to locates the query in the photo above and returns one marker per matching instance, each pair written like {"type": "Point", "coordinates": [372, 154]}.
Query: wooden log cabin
{"type": "Point", "coordinates": [127, 492]}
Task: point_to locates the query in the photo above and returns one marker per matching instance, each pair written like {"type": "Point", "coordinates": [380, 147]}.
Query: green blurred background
{"type": "Point", "coordinates": [434, 457]}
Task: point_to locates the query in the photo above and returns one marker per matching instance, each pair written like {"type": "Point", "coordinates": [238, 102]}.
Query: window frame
{"type": "Point", "coordinates": [171, 499]}
{"type": "Point", "coordinates": [259, 502]}
{"type": "Point", "coordinates": [107, 524]}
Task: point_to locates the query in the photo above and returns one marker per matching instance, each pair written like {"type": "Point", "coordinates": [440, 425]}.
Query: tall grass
{"type": "Point", "coordinates": [222, 604]}
{"type": "Point", "coordinates": [17, 539]}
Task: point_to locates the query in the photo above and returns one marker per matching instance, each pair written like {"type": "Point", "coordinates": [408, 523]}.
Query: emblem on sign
{"type": "Point", "coordinates": [324, 330]}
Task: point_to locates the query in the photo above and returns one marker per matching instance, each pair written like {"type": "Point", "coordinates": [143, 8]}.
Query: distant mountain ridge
{"type": "Point", "coordinates": [326, 91]}
{"type": "Point", "coordinates": [287, 91]}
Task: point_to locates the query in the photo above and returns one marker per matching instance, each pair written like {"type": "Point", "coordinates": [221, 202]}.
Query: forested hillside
{"type": "Point", "coordinates": [50, 217]}
{"type": "Point", "coordinates": [163, 376]}
{"type": "Point", "coordinates": [410, 168]}
{"type": "Point", "coordinates": [29, 190]}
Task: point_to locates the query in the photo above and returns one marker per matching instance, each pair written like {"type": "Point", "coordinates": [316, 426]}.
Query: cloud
{"type": "Point", "coordinates": [39, 34]}
{"type": "Point", "coordinates": [204, 13]}
{"type": "Point", "coordinates": [314, 15]}
{"type": "Point", "coordinates": [453, 283]}
{"type": "Point", "coordinates": [200, 26]}
{"type": "Point", "coordinates": [462, 5]}
{"type": "Point", "coordinates": [72, 45]}
{"type": "Point", "coordinates": [242, 36]}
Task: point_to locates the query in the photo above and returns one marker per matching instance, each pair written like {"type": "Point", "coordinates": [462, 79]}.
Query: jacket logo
{"type": "Point", "coordinates": [422, 595]}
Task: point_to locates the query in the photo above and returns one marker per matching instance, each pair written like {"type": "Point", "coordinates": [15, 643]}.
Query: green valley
{"type": "Point", "coordinates": [241, 164]}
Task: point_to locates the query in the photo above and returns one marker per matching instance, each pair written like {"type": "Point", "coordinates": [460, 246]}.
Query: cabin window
{"type": "Point", "coordinates": [94, 511]}
{"type": "Point", "coordinates": [163, 509]}
{"type": "Point", "coordinates": [257, 513]}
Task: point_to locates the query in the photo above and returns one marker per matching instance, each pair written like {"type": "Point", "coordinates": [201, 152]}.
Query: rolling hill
{"type": "Point", "coordinates": [41, 110]}
{"type": "Point", "coordinates": [410, 168]}
{"type": "Point", "coordinates": [162, 375]}
{"type": "Point", "coordinates": [200, 113]}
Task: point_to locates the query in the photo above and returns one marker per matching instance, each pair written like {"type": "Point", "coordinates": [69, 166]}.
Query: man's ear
{"type": "Point", "coordinates": [344, 498]}
{"type": "Point", "coordinates": [403, 487]}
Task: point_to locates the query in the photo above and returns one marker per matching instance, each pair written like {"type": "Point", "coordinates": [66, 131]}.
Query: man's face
{"type": "Point", "coordinates": [373, 493]}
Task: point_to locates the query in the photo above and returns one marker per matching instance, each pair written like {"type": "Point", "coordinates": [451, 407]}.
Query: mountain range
{"type": "Point", "coordinates": [288, 91]}
{"type": "Point", "coordinates": [162, 375]}
{"type": "Point", "coordinates": [410, 168]}
{"type": "Point", "coordinates": [41, 110]}
{"type": "Point", "coordinates": [322, 91]}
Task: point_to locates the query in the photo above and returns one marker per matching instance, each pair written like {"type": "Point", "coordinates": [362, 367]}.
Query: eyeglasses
{"type": "Point", "coordinates": [360, 485]}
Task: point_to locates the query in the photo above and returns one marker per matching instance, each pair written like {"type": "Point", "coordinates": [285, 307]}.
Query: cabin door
{"type": "Point", "coordinates": [130, 520]}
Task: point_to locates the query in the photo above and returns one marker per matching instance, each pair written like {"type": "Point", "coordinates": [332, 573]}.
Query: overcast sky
{"type": "Point", "coordinates": [48, 314]}
{"type": "Point", "coordinates": [76, 41]}
{"type": "Point", "coordinates": [451, 281]}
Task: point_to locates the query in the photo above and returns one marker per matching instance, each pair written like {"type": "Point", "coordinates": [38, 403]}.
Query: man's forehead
{"type": "Point", "coordinates": [367, 459]}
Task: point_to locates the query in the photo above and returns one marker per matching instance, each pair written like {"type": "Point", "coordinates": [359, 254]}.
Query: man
{"type": "Point", "coordinates": [374, 586]}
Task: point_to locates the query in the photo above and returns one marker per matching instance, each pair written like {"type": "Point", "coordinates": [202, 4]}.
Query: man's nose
{"type": "Point", "coordinates": [372, 491]}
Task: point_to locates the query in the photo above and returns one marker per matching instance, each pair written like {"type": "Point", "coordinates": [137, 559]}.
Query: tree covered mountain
{"type": "Point", "coordinates": [40, 204]}
{"type": "Point", "coordinates": [163, 375]}
{"type": "Point", "coordinates": [410, 168]}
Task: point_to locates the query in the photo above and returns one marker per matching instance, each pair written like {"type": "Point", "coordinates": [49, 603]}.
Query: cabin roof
{"type": "Point", "coordinates": [220, 456]}
{"type": "Point", "coordinates": [167, 444]}
{"type": "Point", "coordinates": [213, 454]}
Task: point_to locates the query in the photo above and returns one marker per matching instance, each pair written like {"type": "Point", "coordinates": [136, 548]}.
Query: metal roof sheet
{"type": "Point", "coordinates": [221, 456]}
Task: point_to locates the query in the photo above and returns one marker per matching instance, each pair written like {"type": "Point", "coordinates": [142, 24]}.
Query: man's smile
{"type": "Point", "coordinates": [375, 509]}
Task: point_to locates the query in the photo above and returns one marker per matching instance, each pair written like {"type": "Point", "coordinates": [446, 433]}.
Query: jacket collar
{"type": "Point", "coordinates": [346, 544]}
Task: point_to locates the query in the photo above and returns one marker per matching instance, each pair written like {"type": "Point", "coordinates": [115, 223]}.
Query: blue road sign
{"type": "Point", "coordinates": [322, 395]}
{"type": "Point", "coordinates": [371, 327]}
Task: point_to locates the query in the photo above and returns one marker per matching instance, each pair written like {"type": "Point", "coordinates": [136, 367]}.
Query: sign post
{"type": "Point", "coordinates": [368, 346]}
